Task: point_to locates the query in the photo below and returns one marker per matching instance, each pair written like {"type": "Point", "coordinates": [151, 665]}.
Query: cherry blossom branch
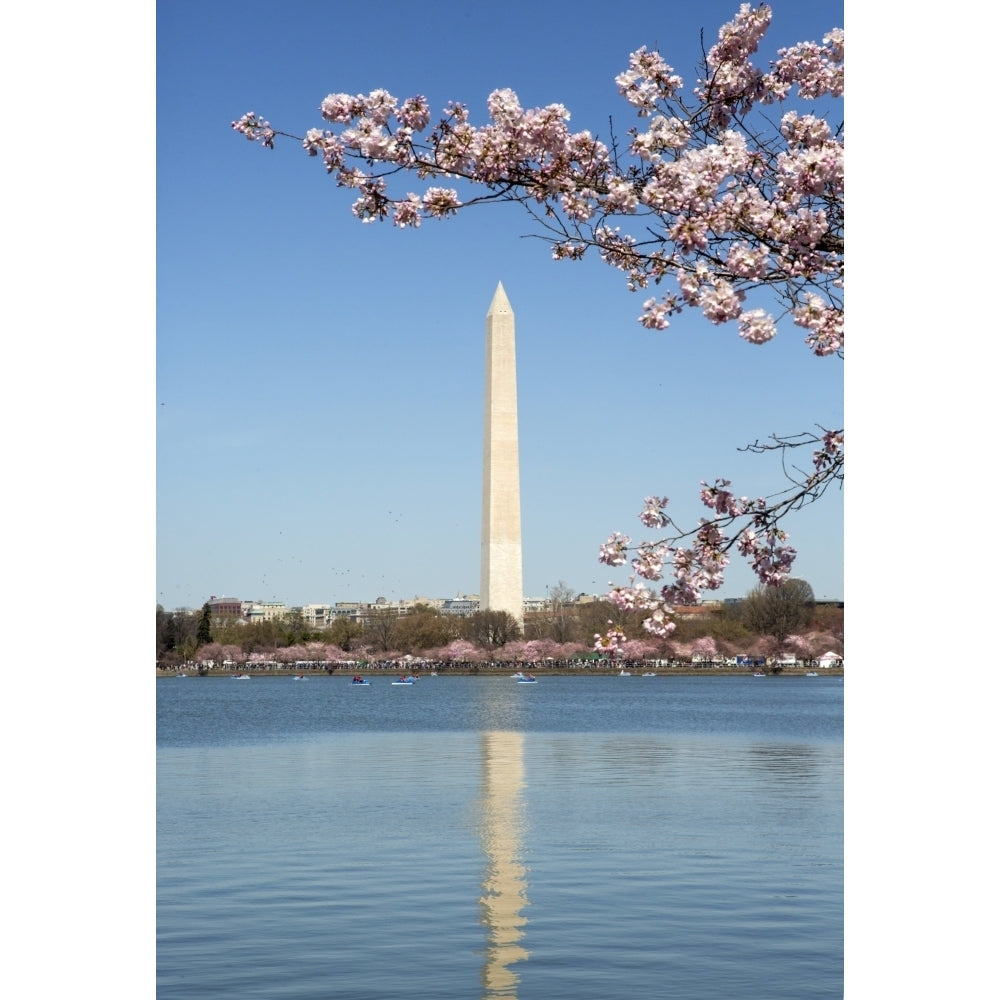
{"type": "Point", "coordinates": [700, 567]}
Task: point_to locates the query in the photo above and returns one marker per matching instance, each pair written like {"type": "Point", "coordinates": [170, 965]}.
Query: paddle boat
{"type": "Point", "coordinates": [364, 682]}
{"type": "Point", "coordinates": [812, 673]}
{"type": "Point", "coordinates": [649, 673]}
{"type": "Point", "coordinates": [518, 676]}
{"type": "Point", "coordinates": [759, 673]}
{"type": "Point", "coordinates": [624, 673]}
{"type": "Point", "coordinates": [404, 681]}
{"type": "Point", "coordinates": [527, 679]}
{"type": "Point", "coordinates": [299, 677]}
{"type": "Point", "coordinates": [241, 677]}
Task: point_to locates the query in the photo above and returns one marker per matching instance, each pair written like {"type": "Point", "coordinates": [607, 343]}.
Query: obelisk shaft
{"type": "Point", "coordinates": [501, 587]}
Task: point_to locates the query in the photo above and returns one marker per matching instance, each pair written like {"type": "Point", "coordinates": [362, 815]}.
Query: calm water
{"type": "Point", "coordinates": [471, 837]}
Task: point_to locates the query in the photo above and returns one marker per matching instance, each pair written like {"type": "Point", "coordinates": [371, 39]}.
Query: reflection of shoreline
{"type": "Point", "coordinates": [504, 882]}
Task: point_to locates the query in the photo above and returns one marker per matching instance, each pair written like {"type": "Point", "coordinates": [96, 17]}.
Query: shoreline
{"type": "Point", "coordinates": [539, 672]}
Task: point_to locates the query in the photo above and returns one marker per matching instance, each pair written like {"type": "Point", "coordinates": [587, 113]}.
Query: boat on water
{"type": "Point", "coordinates": [182, 675]}
{"type": "Point", "coordinates": [404, 681]}
{"type": "Point", "coordinates": [527, 679]}
{"type": "Point", "coordinates": [518, 676]}
{"type": "Point", "coordinates": [363, 681]}
{"type": "Point", "coordinates": [624, 673]}
{"type": "Point", "coordinates": [241, 677]}
{"type": "Point", "coordinates": [649, 673]}
{"type": "Point", "coordinates": [299, 677]}
{"type": "Point", "coordinates": [812, 673]}
{"type": "Point", "coordinates": [759, 673]}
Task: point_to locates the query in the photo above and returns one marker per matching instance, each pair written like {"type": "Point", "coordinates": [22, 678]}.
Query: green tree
{"type": "Point", "coordinates": [293, 628]}
{"type": "Point", "coordinates": [166, 637]}
{"type": "Point", "coordinates": [596, 617]}
{"type": "Point", "coordinates": [779, 611]}
{"type": "Point", "coordinates": [829, 618]}
{"type": "Point", "coordinates": [170, 634]}
{"type": "Point", "coordinates": [423, 628]}
{"type": "Point", "coordinates": [204, 635]}
{"type": "Point", "coordinates": [231, 631]}
{"type": "Point", "coordinates": [727, 629]}
{"type": "Point", "coordinates": [491, 629]}
{"type": "Point", "coordinates": [344, 632]}
{"type": "Point", "coordinates": [561, 617]}
{"type": "Point", "coordinates": [380, 628]}
{"type": "Point", "coordinates": [254, 637]}
{"type": "Point", "coordinates": [186, 648]}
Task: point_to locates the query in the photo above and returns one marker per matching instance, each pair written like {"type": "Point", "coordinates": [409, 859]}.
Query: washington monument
{"type": "Point", "coordinates": [501, 586]}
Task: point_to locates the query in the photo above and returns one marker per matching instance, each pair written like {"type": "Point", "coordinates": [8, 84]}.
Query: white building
{"type": "Point", "coordinates": [317, 616]}
{"type": "Point", "coordinates": [266, 611]}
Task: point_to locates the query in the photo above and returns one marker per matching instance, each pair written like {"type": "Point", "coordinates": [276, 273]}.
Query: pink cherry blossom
{"type": "Point", "coordinates": [614, 551]}
{"type": "Point", "coordinates": [757, 326]}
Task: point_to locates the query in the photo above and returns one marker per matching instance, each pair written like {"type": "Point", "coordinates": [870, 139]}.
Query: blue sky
{"type": "Point", "coordinates": [319, 381]}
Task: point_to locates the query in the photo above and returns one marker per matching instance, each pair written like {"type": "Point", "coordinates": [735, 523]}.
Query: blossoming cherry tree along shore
{"type": "Point", "coordinates": [740, 208]}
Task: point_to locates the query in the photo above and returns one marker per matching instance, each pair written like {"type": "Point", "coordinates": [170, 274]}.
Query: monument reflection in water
{"type": "Point", "coordinates": [504, 882]}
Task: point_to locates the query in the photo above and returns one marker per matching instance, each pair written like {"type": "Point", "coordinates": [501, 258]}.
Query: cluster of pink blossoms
{"type": "Point", "coordinates": [611, 642]}
{"type": "Point", "coordinates": [731, 206]}
{"type": "Point", "coordinates": [735, 211]}
{"type": "Point", "coordinates": [698, 567]}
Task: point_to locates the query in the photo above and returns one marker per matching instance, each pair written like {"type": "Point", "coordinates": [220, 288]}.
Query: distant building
{"type": "Point", "coordinates": [317, 616]}
{"type": "Point", "coordinates": [321, 616]}
{"type": "Point", "coordinates": [266, 611]}
{"type": "Point", "coordinates": [225, 607]}
{"type": "Point", "coordinates": [461, 606]}
{"type": "Point", "coordinates": [696, 611]}
{"type": "Point", "coordinates": [431, 602]}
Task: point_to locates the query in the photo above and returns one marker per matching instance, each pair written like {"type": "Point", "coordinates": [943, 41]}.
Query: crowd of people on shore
{"type": "Point", "coordinates": [592, 666]}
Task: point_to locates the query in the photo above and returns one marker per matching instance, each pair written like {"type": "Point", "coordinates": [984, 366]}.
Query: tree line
{"type": "Point", "coordinates": [767, 622]}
